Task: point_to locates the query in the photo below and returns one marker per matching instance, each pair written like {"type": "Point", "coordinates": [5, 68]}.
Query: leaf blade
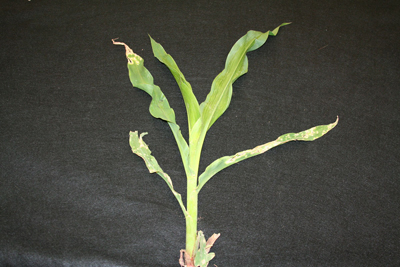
{"type": "Point", "coordinates": [141, 78]}
{"type": "Point", "coordinates": [219, 98]}
{"type": "Point", "coordinates": [140, 148]}
{"type": "Point", "coordinates": [226, 161]}
{"type": "Point", "coordinates": [191, 103]}
{"type": "Point", "coordinates": [236, 65]}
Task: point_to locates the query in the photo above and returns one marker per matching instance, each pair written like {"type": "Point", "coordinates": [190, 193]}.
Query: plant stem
{"type": "Point", "coordinates": [192, 193]}
{"type": "Point", "coordinates": [191, 219]}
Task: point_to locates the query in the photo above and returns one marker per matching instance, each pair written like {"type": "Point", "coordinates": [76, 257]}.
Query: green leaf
{"type": "Point", "coordinates": [219, 98]}
{"type": "Point", "coordinates": [159, 107]}
{"type": "Point", "coordinates": [140, 148]}
{"type": "Point", "coordinates": [192, 106]}
{"type": "Point", "coordinates": [141, 78]}
{"type": "Point", "coordinates": [221, 163]}
{"type": "Point", "coordinates": [236, 65]}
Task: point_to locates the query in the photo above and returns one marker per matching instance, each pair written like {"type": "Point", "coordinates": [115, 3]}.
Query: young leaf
{"type": "Point", "coordinates": [140, 148]}
{"type": "Point", "coordinates": [236, 65]}
{"type": "Point", "coordinates": [219, 98]}
{"type": "Point", "coordinates": [221, 163]}
{"type": "Point", "coordinates": [192, 106]}
{"type": "Point", "coordinates": [159, 107]}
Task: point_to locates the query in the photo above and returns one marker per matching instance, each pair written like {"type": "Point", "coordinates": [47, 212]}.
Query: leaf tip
{"type": "Point", "coordinates": [130, 55]}
{"type": "Point", "coordinates": [336, 122]}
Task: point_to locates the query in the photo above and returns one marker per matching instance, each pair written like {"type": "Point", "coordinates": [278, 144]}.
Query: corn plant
{"type": "Point", "coordinates": [200, 118]}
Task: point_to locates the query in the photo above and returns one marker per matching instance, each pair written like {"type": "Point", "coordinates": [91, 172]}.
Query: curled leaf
{"type": "Point", "coordinates": [159, 107]}
{"type": "Point", "coordinates": [140, 148]}
{"type": "Point", "coordinates": [141, 78]}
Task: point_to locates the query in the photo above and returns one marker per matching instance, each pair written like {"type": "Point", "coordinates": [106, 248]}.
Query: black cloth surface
{"type": "Point", "coordinates": [73, 193]}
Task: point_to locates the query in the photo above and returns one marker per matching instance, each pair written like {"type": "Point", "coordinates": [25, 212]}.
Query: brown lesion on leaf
{"type": "Point", "coordinates": [252, 152]}
{"type": "Point", "coordinates": [234, 158]}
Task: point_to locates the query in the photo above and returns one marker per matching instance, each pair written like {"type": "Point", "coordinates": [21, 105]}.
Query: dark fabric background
{"type": "Point", "coordinates": [73, 194]}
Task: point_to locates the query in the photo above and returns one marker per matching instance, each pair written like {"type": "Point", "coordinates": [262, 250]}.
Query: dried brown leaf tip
{"type": "Point", "coordinates": [130, 55]}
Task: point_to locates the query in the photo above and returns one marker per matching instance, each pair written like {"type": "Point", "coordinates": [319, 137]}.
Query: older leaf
{"type": "Point", "coordinates": [221, 163]}
{"type": "Point", "coordinates": [159, 107]}
{"type": "Point", "coordinates": [202, 256]}
{"type": "Point", "coordinates": [140, 148]}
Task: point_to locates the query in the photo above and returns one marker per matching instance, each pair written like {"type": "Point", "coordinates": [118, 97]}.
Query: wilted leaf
{"type": "Point", "coordinates": [140, 148]}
